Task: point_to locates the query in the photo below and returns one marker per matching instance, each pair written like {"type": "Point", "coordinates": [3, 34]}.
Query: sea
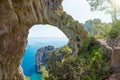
{"type": "Point", "coordinates": [28, 61]}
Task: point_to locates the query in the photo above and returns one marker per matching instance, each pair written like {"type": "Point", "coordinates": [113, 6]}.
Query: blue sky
{"type": "Point", "coordinates": [78, 9]}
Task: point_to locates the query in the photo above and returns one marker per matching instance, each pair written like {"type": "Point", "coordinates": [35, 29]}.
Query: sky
{"type": "Point", "coordinates": [46, 31]}
{"type": "Point", "coordinates": [78, 9]}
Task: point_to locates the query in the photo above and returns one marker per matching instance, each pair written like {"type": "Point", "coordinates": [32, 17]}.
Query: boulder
{"type": "Point", "coordinates": [43, 55]}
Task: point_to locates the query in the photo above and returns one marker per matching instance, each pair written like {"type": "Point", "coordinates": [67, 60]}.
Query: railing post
{"type": "Point", "coordinates": [116, 58]}
{"type": "Point", "coordinates": [115, 64]}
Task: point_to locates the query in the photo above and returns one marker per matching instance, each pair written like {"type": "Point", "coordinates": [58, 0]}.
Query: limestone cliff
{"type": "Point", "coordinates": [17, 17]}
{"type": "Point", "coordinates": [42, 55]}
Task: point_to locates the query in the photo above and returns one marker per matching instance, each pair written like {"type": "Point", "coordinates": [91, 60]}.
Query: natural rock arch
{"type": "Point", "coordinates": [16, 17]}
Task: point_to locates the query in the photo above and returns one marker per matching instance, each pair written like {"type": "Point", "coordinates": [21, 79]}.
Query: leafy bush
{"type": "Point", "coordinates": [45, 73]}
{"type": "Point", "coordinates": [97, 28]}
{"type": "Point", "coordinates": [115, 31]}
{"type": "Point", "coordinates": [27, 78]}
{"type": "Point", "coordinates": [91, 63]}
{"type": "Point", "coordinates": [65, 50]}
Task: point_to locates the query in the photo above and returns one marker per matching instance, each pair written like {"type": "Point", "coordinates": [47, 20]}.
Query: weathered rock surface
{"type": "Point", "coordinates": [17, 17]}
{"type": "Point", "coordinates": [115, 58]}
{"type": "Point", "coordinates": [115, 76]}
{"type": "Point", "coordinates": [42, 55]}
{"type": "Point", "coordinates": [115, 42]}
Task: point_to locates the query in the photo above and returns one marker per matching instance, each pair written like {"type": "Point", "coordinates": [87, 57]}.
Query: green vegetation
{"type": "Point", "coordinates": [27, 78]}
{"type": "Point", "coordinates": [97, 28]}
{"type": "Point", "coordinates": [92, 63]}
{"type": "Point", "coordinates": [115, 31]}
{"type": "Point", "coordinates": [111, 7]}
{"type": "Point", "coordinates": [96, 62]}
{"type": "Point", "coordinates": [108, 6]}
{"type": "Point", "coordinates": [45, 73]}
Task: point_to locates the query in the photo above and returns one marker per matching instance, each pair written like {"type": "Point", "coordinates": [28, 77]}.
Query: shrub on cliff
{"type": "Point", "coordinates": [27, 78]}
{"type": "Point", "coordinates": [115, 31]}
{"type": "Point", "coordinates": [94, 61]}
{"type": "Point", "coordinates": [45, 73]}
{"type": "Point", "coordinates": [97, 28]}
{"type": "Point", "coordinates": [91, 64]}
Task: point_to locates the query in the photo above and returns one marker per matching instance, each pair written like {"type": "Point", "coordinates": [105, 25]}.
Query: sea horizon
{"type": "Point", "coordinates": [34, 43]}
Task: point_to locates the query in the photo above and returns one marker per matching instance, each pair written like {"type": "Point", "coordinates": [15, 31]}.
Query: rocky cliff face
{"type": "Point", "coordinates": [17, 17]}
{"type": "Point", "coordinates": [42, 55]}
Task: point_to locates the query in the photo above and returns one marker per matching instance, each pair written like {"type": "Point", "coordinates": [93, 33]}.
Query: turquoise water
{"type": "Point", "coordinates": [28, 61]}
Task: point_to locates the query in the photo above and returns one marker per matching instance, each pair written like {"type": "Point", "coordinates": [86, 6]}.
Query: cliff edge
{"type": "Point", "coordinates": [42, 55]}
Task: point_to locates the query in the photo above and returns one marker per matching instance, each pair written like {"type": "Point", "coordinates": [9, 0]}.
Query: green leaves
{"type": "Point", "coordinates": [93, 61]}
{"type": "Point", "coordinates": [108, 6]}
{"type": "Point", "coordinates": [97, 28]}
{"type": "Point", "coordinates": [45, 73]}
{"type": "Point", "coordinates": [115, 31]}
{"type": "Point", "coordinates": [27, 78]}
{"type": "Point", "coordinates": [65, 50]}
{"type": "Point", "coordinates": [90, 64]}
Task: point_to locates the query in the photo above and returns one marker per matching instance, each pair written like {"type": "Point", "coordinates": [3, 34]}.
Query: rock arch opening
{"type": "Point", "coordinates": [17, 17]}
{"type": "Point", "coordinates": [40, 36]}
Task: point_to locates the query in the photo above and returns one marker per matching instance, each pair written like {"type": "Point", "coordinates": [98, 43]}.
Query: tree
{"type": "Point", "coordinates": [91, 64]}
{"type": "Point", "coordinates": [27, 78]}
{"type": "Point", "coordinates": [97, 28]}
{"type": "Point", "coordinates": [109, 6]}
